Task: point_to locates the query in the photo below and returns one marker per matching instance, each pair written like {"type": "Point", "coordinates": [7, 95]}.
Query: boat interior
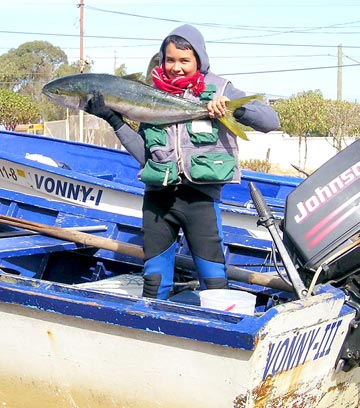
{"type": "Point", "coordinates": [40, 254]}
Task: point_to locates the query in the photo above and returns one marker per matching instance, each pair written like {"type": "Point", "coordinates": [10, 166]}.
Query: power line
{"type": "Point", "coordinates": [290, 70]}
{"type": "Point", "coordinates": [217, 25]}
{"type": "Point", "coordinates": [77, 35]}
{"type": "Point", "coordinates": [254, 72]}
{"type": "Point", "coordinates": [160, 39]}
{"type": "Point", "coordinates": [281, 44]}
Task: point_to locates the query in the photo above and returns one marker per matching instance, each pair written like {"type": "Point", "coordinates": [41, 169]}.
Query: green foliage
{"type": "Point", "coordinates": [256, 165]}
{"type": "Point", "coordinates": [7, 70]}
{"type": "Point", "coordinates": [15, 108]}
{"type": "Point", "coordinates": [302, 113]}
{"type": "Point", "coordinates": [121, 70]}
{"type": "Point", "coordinates": [308, 113]}
{"type": "Point", "coordinates": [343, 119]}
{"type": "Point", "coordinates": [26, 68]}
{"type": "Point", "coordinates": [71, 69]}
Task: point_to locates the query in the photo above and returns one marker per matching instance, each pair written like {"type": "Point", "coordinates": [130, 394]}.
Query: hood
{"type": "Point", "coordinates": [195, 38]}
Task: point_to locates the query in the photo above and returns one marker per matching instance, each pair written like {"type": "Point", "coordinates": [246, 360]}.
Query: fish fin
{"type": "Point", "coordinates": [154, 62]}
{"type": "Point", "coordinates": [238, 103]}
{"type": "Point", "coordinates": [233, 125]}
{"type": "Point", "coordinates": [229, 121]}
{"type": "Point", "coordinates": [136, 76]}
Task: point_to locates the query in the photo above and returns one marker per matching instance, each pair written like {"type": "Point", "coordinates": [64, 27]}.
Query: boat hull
{"type": "Point", "coordinates": [68, 347]}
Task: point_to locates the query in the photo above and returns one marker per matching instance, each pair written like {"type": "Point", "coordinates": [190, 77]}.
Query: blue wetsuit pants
{"type": "Point", "coordinates": [164, 213]}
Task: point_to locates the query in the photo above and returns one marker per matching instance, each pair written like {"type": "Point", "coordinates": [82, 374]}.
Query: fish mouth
{"type": "Point", "coordinates": [67, 99]}
{"type": "Point", "coordinates": [45, 91]}
{"type": "Point", "coordinates": [48, 91]}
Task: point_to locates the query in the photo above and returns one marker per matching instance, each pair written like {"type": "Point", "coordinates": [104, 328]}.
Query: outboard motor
{"type": "Point", "coordinates": [322, 218]}
{"type": "Point", "coordinates": [321, 231]}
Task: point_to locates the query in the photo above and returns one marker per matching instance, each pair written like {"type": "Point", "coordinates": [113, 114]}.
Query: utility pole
{"type": "Point", "coordinates": [115, 61]}
{"type": "Point", "coordinates": [81, 7]}
{"type": "Point", "coordinates": [339, 73]}
{"type": "Point", "coordinates": [82, 64]}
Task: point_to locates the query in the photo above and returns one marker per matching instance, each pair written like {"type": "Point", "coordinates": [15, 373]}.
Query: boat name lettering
{"type": "Point", "coordinates": [8, 173]}
{"type": "Point", "coordinates": [294, 351]}
{"type": "Point", "coordinates": [67, 189]}
{"type": "Point", "coordinates": [326, 193]}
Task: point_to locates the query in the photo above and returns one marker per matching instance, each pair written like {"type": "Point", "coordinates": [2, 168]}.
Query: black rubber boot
{"type": "Point", "coordinates": [151, 285]}
{"type": "Point", "coordinates": [216, 283]}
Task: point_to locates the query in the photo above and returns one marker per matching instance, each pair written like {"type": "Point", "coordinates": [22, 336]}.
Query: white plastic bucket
{"type": "Point", "coordinates": [234, 301]}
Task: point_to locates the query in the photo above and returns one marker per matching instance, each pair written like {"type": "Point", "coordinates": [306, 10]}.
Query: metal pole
{"type": "Point", "coordinates": [82, 63]}
{"type": "Point", "coordinates": [67, 125]}
{"type": "Point", "coordinates": [267, 220]}
{"type": "Point", "coordinates": [339, 74]}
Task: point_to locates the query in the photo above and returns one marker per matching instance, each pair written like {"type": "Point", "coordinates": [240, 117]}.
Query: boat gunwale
{"type": "Point", "coordinates": [161, 317]}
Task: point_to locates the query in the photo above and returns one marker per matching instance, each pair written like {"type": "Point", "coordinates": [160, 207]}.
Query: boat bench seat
{"type": "Point", "coordinates": [34, 244]}
{"type": "Point", "coordinates": [275, 204]}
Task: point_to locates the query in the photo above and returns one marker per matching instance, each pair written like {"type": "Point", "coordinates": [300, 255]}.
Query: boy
{"type": "Point", "coordinates": [185, 165]}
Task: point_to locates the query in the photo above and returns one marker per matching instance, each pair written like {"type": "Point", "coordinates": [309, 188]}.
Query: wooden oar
{"type": "Point", "coordinates": [242, 275]}
{"type": "Point", "coordinates": [234, 272]}
{"type": "Point", "coordinates": [75, 236]}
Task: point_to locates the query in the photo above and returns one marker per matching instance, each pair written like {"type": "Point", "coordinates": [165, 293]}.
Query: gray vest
{"type": "Point", "coordinates": [196, 153]}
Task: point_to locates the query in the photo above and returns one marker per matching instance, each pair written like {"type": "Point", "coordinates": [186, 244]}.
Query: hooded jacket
{"type": "Point", "coordinates": [195, 38]}
{"type": "Point", "coordinates": [199, 153]}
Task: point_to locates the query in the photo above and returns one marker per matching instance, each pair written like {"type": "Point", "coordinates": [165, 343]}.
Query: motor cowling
{"type": "Point", "coordinates": [322, 218]}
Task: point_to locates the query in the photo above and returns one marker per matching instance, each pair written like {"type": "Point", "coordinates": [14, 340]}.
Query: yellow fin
{"type": "Point", "coordinates": [233, 125]}
{"type": "Point", "coordinates": [136, 76]}
{"type": "Point", "coordinates": [238, 103]}
{"type": "Point", "coordinates": [154, 62]}
{"type": "Point", "coordinates": [229, 121]}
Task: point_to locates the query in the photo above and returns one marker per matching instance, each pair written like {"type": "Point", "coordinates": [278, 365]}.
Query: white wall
{"type": "Point", "coordinates": [284, 149]}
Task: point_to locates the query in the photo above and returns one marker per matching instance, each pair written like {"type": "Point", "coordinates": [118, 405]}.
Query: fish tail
{"type": "Point", "coordinates": [229, 121]}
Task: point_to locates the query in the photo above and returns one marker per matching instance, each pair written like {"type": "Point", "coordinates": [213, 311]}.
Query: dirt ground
{"type": "Point", "coordinates": [275, 169]}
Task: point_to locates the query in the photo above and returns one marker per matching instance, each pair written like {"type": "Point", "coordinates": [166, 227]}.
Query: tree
{"type": "Point", "coordinates": [26, 68]}
{"type": "Point", "coordinates": [343, 119]}
{"type": "Point", "coordinates": [7, 70]}
{"type": "Point", "coordinates": [121, 70]}
{"type": "Point", "coordinates": [302, 115]}
{"type": "Point", "coordinates": [15, 109]}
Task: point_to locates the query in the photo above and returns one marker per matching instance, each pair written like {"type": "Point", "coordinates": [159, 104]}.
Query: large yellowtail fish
{"type": "Point", "coordinates": [136, 100]}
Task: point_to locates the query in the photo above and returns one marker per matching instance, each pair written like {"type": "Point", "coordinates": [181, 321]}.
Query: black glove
{"type": "Point", "coordinates": [96, 106]}
{"type": "Point", "coordinates": [239, 113]}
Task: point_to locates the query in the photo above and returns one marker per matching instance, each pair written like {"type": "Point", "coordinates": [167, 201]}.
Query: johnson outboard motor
{"type": "Point", "coordinates": [320, 240]}
{"type": "Point", "coordinates": [321, 231]}
{"type": "Point", "coordinates": [322, 219]}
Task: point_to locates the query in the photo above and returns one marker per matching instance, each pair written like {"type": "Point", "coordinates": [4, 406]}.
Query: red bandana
{"type": "Point", "coordinates": [178, 85]}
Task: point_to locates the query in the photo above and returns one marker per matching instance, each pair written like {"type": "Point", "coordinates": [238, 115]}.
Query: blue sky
{"type": "Point", "coordinates": [275, 47]}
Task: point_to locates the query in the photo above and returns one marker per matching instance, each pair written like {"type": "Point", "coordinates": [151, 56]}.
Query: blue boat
{"type": "Point", "coordinates": [106, 179]}
{"type": "Point", "coordinates": [76, 331]}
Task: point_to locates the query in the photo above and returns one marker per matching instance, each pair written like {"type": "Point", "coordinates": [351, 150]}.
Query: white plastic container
{"type": "Point", "coordinates": [234, 301]}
